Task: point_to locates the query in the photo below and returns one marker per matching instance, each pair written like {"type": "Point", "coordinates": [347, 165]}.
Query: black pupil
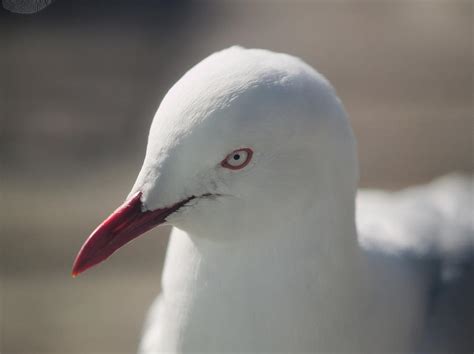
{"type": "Point", "coordinates": [236, 157]}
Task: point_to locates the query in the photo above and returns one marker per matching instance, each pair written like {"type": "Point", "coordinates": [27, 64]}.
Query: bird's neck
{"type": "Point", "coordinates": [321, 237]}
{"type": "Point", "coordinates": [305, 269]}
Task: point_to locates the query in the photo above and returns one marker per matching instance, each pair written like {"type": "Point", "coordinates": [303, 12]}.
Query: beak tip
{"type": "Point", "coordinates": [81, 264]}
{"type": "Point", "coordinates": [75, 270]}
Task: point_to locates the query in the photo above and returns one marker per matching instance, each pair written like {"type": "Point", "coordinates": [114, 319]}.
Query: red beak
{"type": "Point", "coordinates": [125, 224]}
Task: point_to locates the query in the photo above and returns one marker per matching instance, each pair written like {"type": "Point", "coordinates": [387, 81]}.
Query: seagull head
{"type": "Point", "coordinates": [240, 142]}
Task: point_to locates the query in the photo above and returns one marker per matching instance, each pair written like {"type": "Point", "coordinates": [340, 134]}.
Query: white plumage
{"type": "Point", "coordinates": [268, 258]}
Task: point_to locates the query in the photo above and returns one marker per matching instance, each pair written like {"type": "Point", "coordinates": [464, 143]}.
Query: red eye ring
{"type": "Point", "coordinates": [237, 159]}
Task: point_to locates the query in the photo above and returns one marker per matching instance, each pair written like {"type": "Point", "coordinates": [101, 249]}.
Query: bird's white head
{"type": "Point", "coordinates": [244, 138]}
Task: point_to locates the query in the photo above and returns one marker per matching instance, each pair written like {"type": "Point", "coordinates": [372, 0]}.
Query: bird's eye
{"type": "Point", "coordinates": [237, 159]}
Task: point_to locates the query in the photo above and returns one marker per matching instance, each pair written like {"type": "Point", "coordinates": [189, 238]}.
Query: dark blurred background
{"type": "Point", "coordinates": [81, 80]}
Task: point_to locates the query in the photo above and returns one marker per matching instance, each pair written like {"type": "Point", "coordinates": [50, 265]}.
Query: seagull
{"type": "Point", "coordinates": [251, 158]}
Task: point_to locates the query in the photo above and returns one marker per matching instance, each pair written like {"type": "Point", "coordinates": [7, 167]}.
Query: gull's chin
{"type": "Point", "coordinates": [197, 211]}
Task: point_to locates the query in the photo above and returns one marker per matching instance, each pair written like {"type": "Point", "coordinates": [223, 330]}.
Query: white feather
{"type": "Point", "coordinates": [273, 262]}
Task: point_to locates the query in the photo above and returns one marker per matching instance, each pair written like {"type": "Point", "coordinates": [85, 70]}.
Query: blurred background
{"type": "Point", "coordinates": [81, 80]}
